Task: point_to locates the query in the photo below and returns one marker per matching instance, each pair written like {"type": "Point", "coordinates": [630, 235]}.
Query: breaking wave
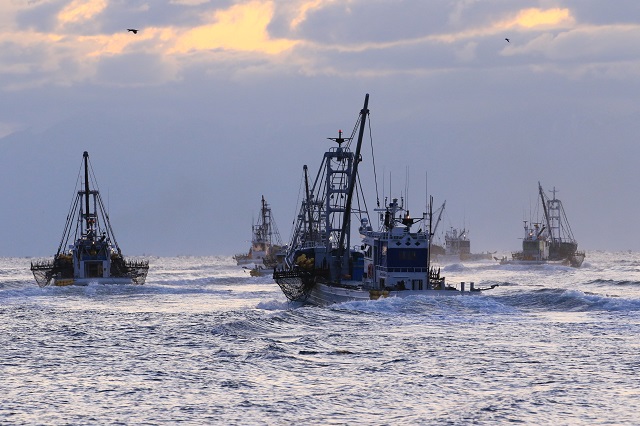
{"type": "Point", "coordinates": [570, 301]}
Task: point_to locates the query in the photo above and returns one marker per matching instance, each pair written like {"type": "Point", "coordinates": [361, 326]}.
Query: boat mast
{"type": "Point", "coordinates": [86, 190]}
{"type": "Point", "coordinates": [544, 208]}
{"type": "Point", "coordinates": [308, 197]}
{"type": "Point", "coordinates": [266, 226]}
{"type": "Point", "coordinates": [435, 227]}
{"type": "Point", "coordinates": [354, 173]}
{"type": "Point", "coordinates": [429, 242]}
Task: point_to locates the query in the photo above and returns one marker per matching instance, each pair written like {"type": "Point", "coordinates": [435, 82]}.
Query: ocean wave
{"type": "Point", "coordinates": [210, 285]}
{"type": "Point", "coordinates": [550, 267]}
{"type": "Point", "coordinates": [614, 282]}
{"type": "Point", "coordinates": [490, 283]}
{"type": "Point", "coordinates": [249, 324]}
{"type": "Point", "coordinates": [448, 306]}
{"type": "Point", "coordinates": [454, 267]}
{"type": "Point", "coordinates": [277, 305]}
{"type": "Point", "coordinates": [570, 301]}
{"type": "Point", "coordinates": [198, 281]}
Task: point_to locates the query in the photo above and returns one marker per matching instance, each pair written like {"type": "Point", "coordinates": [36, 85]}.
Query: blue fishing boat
{"type": "Point", "coordinates": [322, 267]}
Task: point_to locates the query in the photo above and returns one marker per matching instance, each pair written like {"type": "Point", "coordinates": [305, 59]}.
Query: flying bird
{"type": "Point", "coordinates": [508, 41]}
{"type": "Point", "coordinates": [133, 30]}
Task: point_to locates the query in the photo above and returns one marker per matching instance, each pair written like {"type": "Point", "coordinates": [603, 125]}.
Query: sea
{"type": "Point", "coordinates": [203, 342]}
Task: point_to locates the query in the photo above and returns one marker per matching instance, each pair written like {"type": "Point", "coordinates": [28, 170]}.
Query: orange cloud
{"type": "Point", "coordinates": [80, 10]}
{"type": "Point", "coordinates": [242, 27]}
{"type": "Point", "coordinates": [305, 8]}
{"type": "Point", "coordinates": [533, 18]}
{"type": "Point", "coordinates": [527, 19]}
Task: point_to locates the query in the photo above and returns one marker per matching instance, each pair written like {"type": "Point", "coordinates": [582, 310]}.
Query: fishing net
{"type": "Point", "coordinates": [42, 272]}
{"type": "Point", "coordinates": [295, 284]}
{"type": "Point", "coordinates": [45, 270]}
{"type": "Point", "coordinates": [138, 270]}
{"type": "Point", "coordinates": [135, 269]}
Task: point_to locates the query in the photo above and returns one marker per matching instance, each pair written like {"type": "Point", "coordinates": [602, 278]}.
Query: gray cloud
{"type": "Point", "coordinates": [602, 13]}
{"type": "Point", "coordinates": [135, 69]}
{"type": "Point", "coordinates": [39, 17]}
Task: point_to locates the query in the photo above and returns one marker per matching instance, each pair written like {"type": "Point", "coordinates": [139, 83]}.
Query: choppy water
{"type": "Point", "coordinates": [204, 343]}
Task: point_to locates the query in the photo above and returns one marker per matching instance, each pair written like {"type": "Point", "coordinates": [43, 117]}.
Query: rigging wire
{"type": "Point", "coordinates": [373, 160]}
{"type": "Point", "coordinates": [364, 201]}
{"type": "Point", "coordinates": [103, 211]}
{"type": "Point", "coordinates": [293, 224]}
{"type": "Point", "coordinates": [67, 228]}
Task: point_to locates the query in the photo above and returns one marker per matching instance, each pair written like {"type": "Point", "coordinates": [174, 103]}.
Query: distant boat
{"type": "Point", "coordinates": [457, 247]}
{"type": "Point", "coordinates": [549, 240]}
{"type": "Point", "coordinates": [266, 251]}
{"type": "Point", "coordinates": [94, 255]}
{"type": "Point", "coordinates": [322, 267]}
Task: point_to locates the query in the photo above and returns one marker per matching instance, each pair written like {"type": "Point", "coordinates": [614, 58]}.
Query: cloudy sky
{"type": "Point", "coordinates": [215, 103]}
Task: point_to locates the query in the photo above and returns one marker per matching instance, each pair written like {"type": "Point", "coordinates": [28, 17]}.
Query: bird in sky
{"type": "Point", "coordinates": [133, 30]}
{"type": "Point", "coordinates": [508, 41]}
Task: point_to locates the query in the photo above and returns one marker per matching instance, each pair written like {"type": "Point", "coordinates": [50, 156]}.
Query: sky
{"type": "Point", "coordinates": [213, 104]}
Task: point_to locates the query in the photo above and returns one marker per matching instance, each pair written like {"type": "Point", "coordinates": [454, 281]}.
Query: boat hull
{"type": "Point", "coordinates": [304, 287]}
{"type": "Point", "coordinates": [574, 262]}
{"type": "Point", "coordinates": [60, 273]}
{"type": "Point", "coordinates": [324, 295]}
{"type": "Point", "coordinates": [455, 258]}
{"type": "Point", "coordinates": [64, 282]}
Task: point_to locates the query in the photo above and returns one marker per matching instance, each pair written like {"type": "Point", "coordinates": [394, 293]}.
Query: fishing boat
{"type": "Point", "coordinates": [266, 251]}
{"type": "Point", "coordinates": [94, 256]}
{"type": "Point", "coordinates": [457, 247]}
{"type": "Point", "coordinates": [322, 268]}
{"type": "Point", "coordinates": [550, 240]}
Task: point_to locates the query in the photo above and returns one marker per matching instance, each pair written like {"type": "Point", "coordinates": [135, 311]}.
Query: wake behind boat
{"type": "Point", "coordinates": [94, 255]}
{"type": "Point", "coordinates": [321, 266]}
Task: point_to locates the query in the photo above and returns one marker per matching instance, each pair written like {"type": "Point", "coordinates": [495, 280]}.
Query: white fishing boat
{"type": "Point", "coordinates": [266, 251]}
{"type": "Point", "coordinates": [321, 267]}
{"type": "Point", "coordinates": [88, 251]}
{"type": "Point", "coordinates": [549, 241]}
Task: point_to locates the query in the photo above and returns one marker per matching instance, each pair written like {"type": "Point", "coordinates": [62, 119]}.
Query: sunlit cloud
{"type": "Point", "coordinates": [242, 27]}
{"type": "Point", "coordinates": [150, 40]}
{"type": "Point", "coordinates": [606, 43]}
{"type": "Point", "coordinates": [63, 56]}
{"type": "Point", "coordinates": [528, 19]}
{"type": "Point", "coordinates": [240, 33]}
{"type": "Point", "coordinates": [80, 10]}
{"type": "Point", "coordinates": [305, 8]}
{"type": "Point", "coordinates": [537, 18]}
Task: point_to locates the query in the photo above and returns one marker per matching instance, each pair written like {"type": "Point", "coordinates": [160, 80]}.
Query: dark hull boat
{"type": "Point", "coordinates": [550, 241]}
{"type": "Point", "coordinates": [321, 266]}
{"type": "Point", "coordinates": [94, 255]}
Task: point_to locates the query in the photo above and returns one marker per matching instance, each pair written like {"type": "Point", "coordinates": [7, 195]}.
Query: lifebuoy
{"type": "Point", "coordinates": [370, 270]}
